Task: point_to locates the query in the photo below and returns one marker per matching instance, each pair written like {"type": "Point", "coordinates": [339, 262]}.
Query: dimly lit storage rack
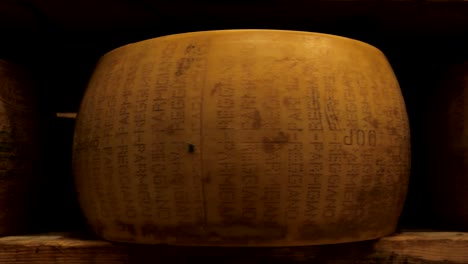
{"type": "Point", "coordinates": [62, 40]}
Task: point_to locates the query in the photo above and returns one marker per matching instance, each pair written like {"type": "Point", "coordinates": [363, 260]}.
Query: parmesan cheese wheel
{"type": "Point", "coordinates": [242, 138]}
{"type": "Point", "coordinates": [19, 149]}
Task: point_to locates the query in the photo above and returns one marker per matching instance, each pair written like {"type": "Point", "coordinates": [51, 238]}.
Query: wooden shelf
{"type": "Point", "coordinates": [406, 247]}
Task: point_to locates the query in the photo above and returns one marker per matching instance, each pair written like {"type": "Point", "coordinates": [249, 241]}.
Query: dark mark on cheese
{"type": "Point", "coordinates": [269, 145]}
{"type": "Point", "coordinates": [191, 148]}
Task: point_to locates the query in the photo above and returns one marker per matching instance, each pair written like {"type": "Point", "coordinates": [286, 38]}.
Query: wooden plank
{"type": "Point", "coordinates": [67, 115]}
{"type": "Point", "coordinates": [439, 247]}
{"type": "Point", "coordinates": [408, 247]}
{"type": "Point", "coordinates": [59, 248]}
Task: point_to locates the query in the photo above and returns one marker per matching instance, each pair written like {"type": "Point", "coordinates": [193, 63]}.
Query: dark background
{"type": "Point", "coordinates": [60, 41]}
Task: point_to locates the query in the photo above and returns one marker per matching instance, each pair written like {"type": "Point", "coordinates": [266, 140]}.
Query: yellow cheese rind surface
{"type": "Point", "coordinates": [249, 138]}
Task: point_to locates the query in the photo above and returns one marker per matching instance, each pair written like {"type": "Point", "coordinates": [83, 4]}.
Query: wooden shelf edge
{"type": "Point", "coordinates": [67, 115]}
{"type": "Point", "coordinates": [432, 247]}
{"type": "Point", "coordinates": [407, 247]}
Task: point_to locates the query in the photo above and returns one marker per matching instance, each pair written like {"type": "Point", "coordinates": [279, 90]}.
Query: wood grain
{"type": "Point", "coordinates": [58, 248]}
{"type": "Point", "coordinates": [409, 247]}
{"type": "Point", "coordinates": [440, 247]}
